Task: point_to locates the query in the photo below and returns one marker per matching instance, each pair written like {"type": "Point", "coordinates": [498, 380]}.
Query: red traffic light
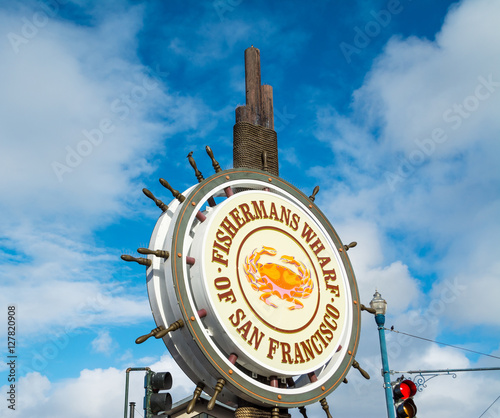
{"type": "Point", "coordinates": [404, 390]}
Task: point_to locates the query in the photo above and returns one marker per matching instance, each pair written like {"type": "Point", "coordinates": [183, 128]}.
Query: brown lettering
{"type": "Point", "coordinates": [285, 213]}
{"type": "Point", "coordinates": [299, 358]}
{"type": "Point", "coordinates": [295, 222]}
{"type": "Point", "coordinates": [218, 258]}
{"type": "Point", "coordinates": [259, 212]}
{"type": "Point", "coordinates": [245, 328]}
{"type": "Point", "coordinates": [318, 334]}
{"type": "Point", "coordinates": [273, 345]}
{"type": "Point", "coordinates": [229, 227]}
{"type": "Point", "coordinates": [323, 261]}
{"type": "Point", "coordinates": [221, 247]}
{"type": "Point", "coordinates": [333, 289]}
{"type": "Point", "coordinates": [224, 239]}
{"type": "Point", "coordinates": [257, 339]}
{"type": "Point", "coordinates": [333, 326]}
{"type": "Point", "coordinates": [235, 320]}
{"type": "Point", "coordinates": [329, 275]}
{"type": "Point", "coordinates": [307, 233]}
{"type": "Point", "coordinates": [317, 246]}
{"type": "Point", "coordinates": [314, 344]}
{"type": "Point", "coordinates": [326, 332]}
{"type": "Point", "coordinates": [306, 346]}
{"type": "Point", "coordinates": [245, 209]}
{"type": "Point", "coordinates": [222, 283]}
{"type": "Point", "coordinates": [227, 296]}
{"type": "Point", "coordinates": [332, 311]}
{"type": "Point", "coordinates": [236, 216]}
{"type": "Point", "coordinates": [285, 353]}
{"type": "Point", "coordinates": [274, 212]}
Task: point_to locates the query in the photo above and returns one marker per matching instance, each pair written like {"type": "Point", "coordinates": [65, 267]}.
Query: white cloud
{"type": "Point", "coordinates": [48, 107]}
{"type": "Point", "coordinates": [66, 284]}
{"type": "Point", "coordinates": [103, 343]}
{"type": "Point", "coordinates": [94, 393]}
{"type": "Point", "coordinates": [439, 210]}
{"type": "Point", "coordinates": [79, 117]}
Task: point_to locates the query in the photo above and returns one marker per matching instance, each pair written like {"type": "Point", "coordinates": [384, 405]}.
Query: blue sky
{"type": "Point", "coordinates": [391, 107]}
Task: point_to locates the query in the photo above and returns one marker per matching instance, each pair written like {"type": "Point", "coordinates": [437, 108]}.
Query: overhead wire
{"type": "Point", "coordinates": [437, 342]}
{"type": "Point", "coordinates": [489, 406]}
{"type": "Point", "coordinates": [453, 346]}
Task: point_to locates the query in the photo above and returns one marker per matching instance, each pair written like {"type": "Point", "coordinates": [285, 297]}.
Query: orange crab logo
{"type": "Point", "coordinates": [278, 280]}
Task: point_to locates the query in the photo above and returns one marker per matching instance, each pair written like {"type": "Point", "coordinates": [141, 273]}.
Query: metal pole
{"type": "Point", "coordinates": [482, 369]}
{"type": "Point", "coordinates": [380, 320]}
{"type": "Point", "coordinates": [126, 392]}
{"type": "Point", "coordinates": [130, 369]}
{"type": "Point", "coordinates": [132, 411]}
{"type": "Point", "coordinates": [147, 386]}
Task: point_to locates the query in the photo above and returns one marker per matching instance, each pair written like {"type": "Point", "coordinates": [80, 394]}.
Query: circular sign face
{"type": "Point", "coordinates": [260, 288]}
{"type": "Point", "coordinates": [275, 283]}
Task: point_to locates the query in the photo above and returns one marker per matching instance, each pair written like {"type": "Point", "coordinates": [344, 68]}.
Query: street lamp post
{"type": "Point", "coordinates": [379, 305]}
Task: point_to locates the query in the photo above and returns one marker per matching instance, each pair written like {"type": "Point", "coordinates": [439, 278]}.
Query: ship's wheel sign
{"type": "Point", "coordinates": [260, 288]}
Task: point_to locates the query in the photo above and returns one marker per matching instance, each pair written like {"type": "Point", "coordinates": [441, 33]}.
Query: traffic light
{"type": "Point", "coordinates": [156, 401]}
{"type": "Point", "coordinates": [403, 392]}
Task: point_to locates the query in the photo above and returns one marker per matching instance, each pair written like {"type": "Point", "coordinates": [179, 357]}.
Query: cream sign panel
{"type": "Point", "coordinates": [275, 282]}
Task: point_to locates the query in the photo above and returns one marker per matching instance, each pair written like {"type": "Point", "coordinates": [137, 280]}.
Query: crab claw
{"type": "Point", "coordinates": [268, 250]}
{"type": "Point", "coordinates": [291, 260]}
{"type": "Point", "coordinates": [264, 298]}
{"type": "Point", "coordinates": [298, 305]}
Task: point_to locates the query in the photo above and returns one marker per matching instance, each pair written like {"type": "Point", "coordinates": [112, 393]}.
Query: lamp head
{"type": "Point", "coordinates": [379, 304]}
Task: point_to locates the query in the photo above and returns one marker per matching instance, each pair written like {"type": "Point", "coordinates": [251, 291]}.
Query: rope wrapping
{"type": "Point", "coordinates": [252, 412]}
{"type": "Point", "coordinates": [249, 142]}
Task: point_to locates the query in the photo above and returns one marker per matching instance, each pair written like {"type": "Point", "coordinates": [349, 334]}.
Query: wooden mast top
{"type": "Point", "coordinates": [255, 143]}
{"type": "Point", "coordinates": [259, 98]}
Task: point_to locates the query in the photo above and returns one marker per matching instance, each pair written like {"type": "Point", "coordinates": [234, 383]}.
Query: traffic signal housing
{"type": "Point", "coordinates": [154, 400]}
{"type": "Point", "coordinates": [403, 392]}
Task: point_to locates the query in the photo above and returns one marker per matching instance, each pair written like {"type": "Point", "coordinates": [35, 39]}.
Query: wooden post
{"type": "Point", "coordinates": [266, 106]}
{"type": "Point", "coordinates": [259, 98]}
{"type": "Point", "coordinates": [254, 132]}
{"type": "Point", "coordinates": [252, 84]}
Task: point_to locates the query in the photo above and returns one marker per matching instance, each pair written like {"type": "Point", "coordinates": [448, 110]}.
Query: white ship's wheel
{"type": "Point", "coordinates": [257, 289]}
